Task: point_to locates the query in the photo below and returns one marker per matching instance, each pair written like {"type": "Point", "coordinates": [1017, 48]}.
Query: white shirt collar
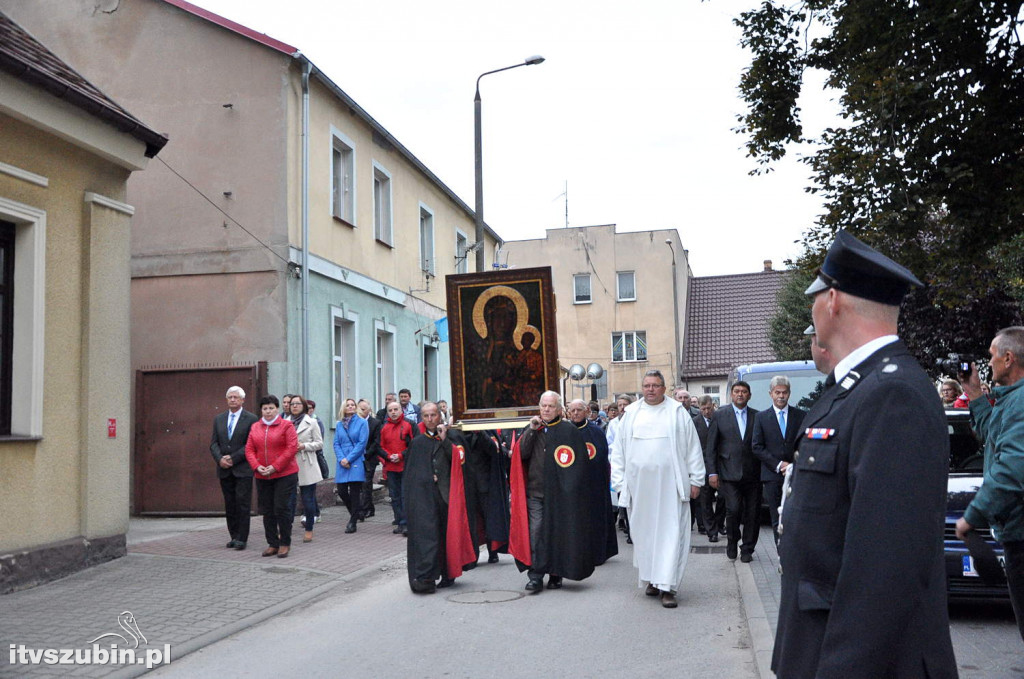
{"type": "Point", "coordinates": [780, 410]}
{"type": "Point", "coordinates": [855, 357]}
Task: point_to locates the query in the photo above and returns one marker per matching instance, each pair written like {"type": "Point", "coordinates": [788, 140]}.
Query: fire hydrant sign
{"type": "Point", "coordinates": [111, 428]}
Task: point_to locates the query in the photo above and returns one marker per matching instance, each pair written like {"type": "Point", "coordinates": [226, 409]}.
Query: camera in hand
{"type": "Point", "coordinates": [955, 364]}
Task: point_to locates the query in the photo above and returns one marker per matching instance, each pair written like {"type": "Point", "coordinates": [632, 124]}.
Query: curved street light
{"type": "Point", "coordinates": [478, 148]}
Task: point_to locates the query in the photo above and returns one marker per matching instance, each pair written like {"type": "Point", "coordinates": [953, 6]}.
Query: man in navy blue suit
{"type": "Point", "coordinates": [734, 471]}
{"type": "Point", "coordinates": [776, 431]}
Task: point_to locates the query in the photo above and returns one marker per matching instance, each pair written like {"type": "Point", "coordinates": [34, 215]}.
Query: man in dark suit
{"type": "Point", "coordinates": [382, 414]}
{"type": "Point", "coordinates": [776, 431]}
{"type": "Point", "coordinates": [863, 572]}
{"type": "Point", "coordinates": [712, 506]}
{"type": "Point", "coordinates": [230, 432]}
{"type": "Point", "coordinates": [734, 471]}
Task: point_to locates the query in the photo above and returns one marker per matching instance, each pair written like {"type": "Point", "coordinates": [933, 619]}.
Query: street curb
{"type": "Point", "coordinates": [192, 645]}
{"type": "Point", "coordinates": [762, 642]}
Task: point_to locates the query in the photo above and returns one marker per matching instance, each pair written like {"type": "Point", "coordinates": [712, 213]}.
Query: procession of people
{"type": "Point", "coordinates": [541, 490]}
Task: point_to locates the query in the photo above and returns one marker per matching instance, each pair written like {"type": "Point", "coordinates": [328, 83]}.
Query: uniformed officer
{"type": "Point", "coordinates": [863, 583]}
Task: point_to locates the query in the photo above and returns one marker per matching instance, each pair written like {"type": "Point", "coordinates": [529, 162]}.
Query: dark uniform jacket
{"type": "Point", "coordinates": [863, 580]}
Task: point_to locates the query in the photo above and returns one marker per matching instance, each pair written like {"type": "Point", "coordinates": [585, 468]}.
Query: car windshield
{"type": "Point", "coordinates": [965, 453]}
{"type": "Point", "coordinates": [805, 387]}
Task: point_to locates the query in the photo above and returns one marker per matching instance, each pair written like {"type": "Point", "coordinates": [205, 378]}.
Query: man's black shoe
{"type": "Point", "coordinates": [730, 551]}
{"type": "Point", "coordinates": [239, 545]}
{"type": "Point", "coordinates": [397, 530]}
{"type": "Point", "coordinates": [231, 545]}
{"type": "Point", "coordinates": [423, 586]}
{"type": "Point", "coordinates": [746, 558]}
{"type": "Point", "coordinates": [713, 537]}
{"type": "Point", "coordinates": [554, 582]}
{"type": "Point", "coordinates": [535, 586]}
{"type": "Point", "coordinates": [446, 582]}
{"type": "Point", "coordinates": [493, 558]}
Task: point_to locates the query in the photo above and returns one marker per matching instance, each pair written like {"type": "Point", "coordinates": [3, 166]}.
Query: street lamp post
{"type": "Point", "coordinates": [675, 312]}
{"type": "Point", "coordinates": [478, 148]}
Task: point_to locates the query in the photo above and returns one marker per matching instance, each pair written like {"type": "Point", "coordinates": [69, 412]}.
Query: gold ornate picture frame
{"type": "Point", "coordinates": [504, 348]}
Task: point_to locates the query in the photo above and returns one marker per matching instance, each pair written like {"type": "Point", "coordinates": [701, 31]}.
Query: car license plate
{"type": "Point", "coordinates": [969, 565]}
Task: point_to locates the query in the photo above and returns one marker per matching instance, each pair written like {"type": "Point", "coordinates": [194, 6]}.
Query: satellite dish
{"type": "Point", "coordinates": [577, 371]}
{"type": "Point", "coordinates": [594, 371]}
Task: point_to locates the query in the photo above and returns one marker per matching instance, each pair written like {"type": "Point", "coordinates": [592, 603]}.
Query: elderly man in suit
{"type": "Point", "coordinates": [230, 432]}
{"type": "Point", "coordinates": [734, 471]}
{"type": "Point", "coordinates": [776, 431]}
{"type": "Point", "coordinates": [864, 595]}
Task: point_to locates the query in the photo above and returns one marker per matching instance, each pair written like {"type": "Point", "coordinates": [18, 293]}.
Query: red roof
{"type": "Point", "coordinates": [234, 26]}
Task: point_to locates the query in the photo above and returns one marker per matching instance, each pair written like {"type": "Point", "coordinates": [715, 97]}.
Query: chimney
{"type": "Point", "coordinates": [768, 265]}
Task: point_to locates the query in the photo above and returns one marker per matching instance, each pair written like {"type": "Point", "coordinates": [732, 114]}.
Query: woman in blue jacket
{"type": "Point", "coordinates": [350, 436]}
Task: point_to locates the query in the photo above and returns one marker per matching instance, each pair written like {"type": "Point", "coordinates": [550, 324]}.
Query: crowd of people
{"type": "Point", "coordinates": [547, 493]}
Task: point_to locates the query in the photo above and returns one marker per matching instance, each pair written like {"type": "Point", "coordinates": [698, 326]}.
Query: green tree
{"type": "Point", "coordinates": [792, 316]}
{"type": "Point", "coordinates": [928, 163]}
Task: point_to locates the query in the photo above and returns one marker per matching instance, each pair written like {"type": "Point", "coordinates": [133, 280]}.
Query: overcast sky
{"type": "Point", "coordinates": [633, 109]}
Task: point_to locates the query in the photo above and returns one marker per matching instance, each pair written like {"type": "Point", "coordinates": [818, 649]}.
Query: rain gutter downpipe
{"type": "Point", "coordinates": [306, 70]}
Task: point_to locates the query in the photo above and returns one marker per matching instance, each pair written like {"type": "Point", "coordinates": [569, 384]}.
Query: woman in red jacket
{"type": "Point", "coordinates": [394, 439]}
{"type": "Point", "coordinates": [270, 451]}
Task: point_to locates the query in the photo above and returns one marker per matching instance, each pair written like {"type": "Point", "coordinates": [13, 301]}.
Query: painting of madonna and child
{"type": "Point", "coordinates": [503, 345]}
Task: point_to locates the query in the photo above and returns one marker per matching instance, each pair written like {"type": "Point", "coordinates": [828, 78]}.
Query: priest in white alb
{"type": "Point", "coordinates": [658, 468]}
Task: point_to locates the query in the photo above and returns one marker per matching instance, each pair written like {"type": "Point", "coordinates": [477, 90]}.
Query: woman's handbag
{"type": "Point", "coordinates": [325, 471]}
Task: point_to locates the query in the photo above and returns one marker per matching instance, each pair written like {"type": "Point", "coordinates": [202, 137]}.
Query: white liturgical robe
{"type": "Point", "coordinates": [655, 457]}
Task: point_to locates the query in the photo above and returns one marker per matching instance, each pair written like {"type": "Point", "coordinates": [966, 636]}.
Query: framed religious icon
{"type": "Point", "coordinates": [504, 349]}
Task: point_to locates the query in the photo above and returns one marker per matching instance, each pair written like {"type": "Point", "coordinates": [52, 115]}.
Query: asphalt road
{"type": "Point", "coordinates": [603, 626]}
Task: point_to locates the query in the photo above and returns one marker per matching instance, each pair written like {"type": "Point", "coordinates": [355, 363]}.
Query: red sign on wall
{"type": "Point", "coordinates": [111, 428]}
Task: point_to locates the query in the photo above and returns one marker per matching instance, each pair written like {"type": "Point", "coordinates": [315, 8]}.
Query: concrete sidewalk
{"type": "Point", "coordinates": [187, 591]}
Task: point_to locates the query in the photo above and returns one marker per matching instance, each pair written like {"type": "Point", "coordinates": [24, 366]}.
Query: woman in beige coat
{"type": "Point", "coordinates": [310, 441]}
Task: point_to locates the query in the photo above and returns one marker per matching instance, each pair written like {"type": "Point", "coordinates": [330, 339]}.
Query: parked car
{"type": "Point", "coordinates": [965, 475]}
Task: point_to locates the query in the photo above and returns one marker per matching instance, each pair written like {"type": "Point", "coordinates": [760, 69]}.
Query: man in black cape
{"type": "Point", "coordinates": [428, 485]}
{"type": "Point", "coordinates": [602, 525]}
{"type": "Point", "coordinates": [556, 463]}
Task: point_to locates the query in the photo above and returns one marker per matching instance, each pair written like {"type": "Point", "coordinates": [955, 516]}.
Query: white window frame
{"type": "Point", "coordinates": [28, 348]}
{"type": "Point", "coordinates": [461, 265]}
{"type": "Point", "coordinates": [634, 359]}
{"type": "Point", "coordinates": [383, 207]}
{"type": "Point", "coordinates": [384, 382]}
{"type": "Point", "coordinates": [427, 250]}
{"type": "Point", "coordinates": [618, 287]}
{"type": "Point", "coordinates": [435, 377]}
{"type": "Point", "coordinates": [340, 317]}
{"type": "Point", "coordinates": [347, 184]}
{"type": "Point", "coordinates": [590, 288]}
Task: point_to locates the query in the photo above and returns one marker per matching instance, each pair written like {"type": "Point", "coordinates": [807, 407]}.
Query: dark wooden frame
{"type": "Point", "coordinates": [535, 290]}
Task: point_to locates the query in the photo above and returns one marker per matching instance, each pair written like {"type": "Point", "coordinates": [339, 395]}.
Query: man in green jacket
{"type": "Point", "coordinates": [1000, 500]}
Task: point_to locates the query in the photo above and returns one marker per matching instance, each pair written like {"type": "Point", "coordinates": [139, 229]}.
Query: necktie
{"type": "Point", "coordinates": [231, 425]}
{"type": "Point", "coordinates": [782, 422]}
{"type": "Point", "coordinates": [741, 420]}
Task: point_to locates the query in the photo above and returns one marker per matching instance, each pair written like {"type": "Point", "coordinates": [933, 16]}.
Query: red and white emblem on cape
{"type": "Point", "coordinates": [564, 456]}
{"type": "Point", "coordinates": [462, 454]}
{"type": "Point", "coordinates": [591, 450]}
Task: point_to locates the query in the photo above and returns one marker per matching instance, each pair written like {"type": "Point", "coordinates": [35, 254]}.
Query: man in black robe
{"type": "Point", "coordinates": [602, 524]}
{"type": "Point", "coordinates": [558, 490]}
{"type": "Point", "coordinates": [426, 486]}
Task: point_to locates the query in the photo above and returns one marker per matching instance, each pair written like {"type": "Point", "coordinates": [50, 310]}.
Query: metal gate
{"type": "Point", "coordinates": [175, 406]}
